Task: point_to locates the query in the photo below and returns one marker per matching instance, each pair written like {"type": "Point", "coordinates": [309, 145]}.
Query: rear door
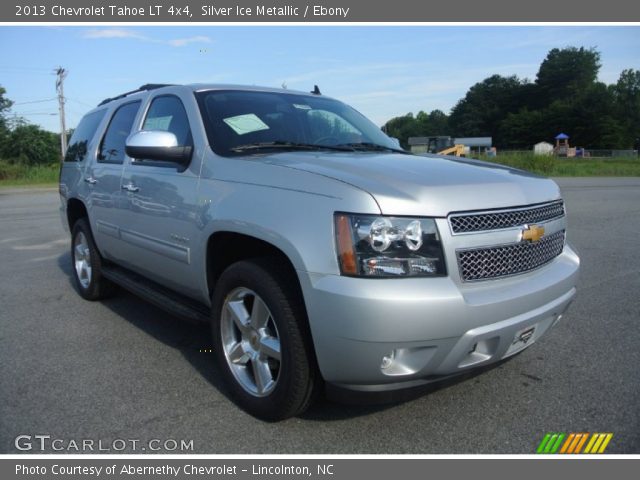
{"type": "Point", "coordinates": [104, 177]}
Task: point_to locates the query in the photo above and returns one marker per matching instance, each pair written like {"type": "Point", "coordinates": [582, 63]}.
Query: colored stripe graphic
{"type": "Point", "coordinates": [552, 440]}
{"type": "Point", "coordinates": [573, 443]}
{"type": "Point", "coordinates": [591, 442]}
{"type": "Point", "coordinates": [550, 443]}
{"type": "Point", "coordinates": [581, 442]}
{"type": "Point", "coordinates": [598, 443]}
{"type": "Point", "coordinates": [605, 443]}
{"type": "Point", "coordinates": [556, 445]}
{"type": "Point", "coordinates": [567, 442]}
{"type": "Point", "coordinates": [543, 443]}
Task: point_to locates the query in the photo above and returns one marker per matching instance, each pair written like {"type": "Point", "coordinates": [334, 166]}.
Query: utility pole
{"type": "Point", "coordinates": [61, 73]}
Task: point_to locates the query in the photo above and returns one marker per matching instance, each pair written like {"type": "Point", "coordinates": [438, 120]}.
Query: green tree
{"type": "Point", "coordinates": [595, 123]}
{"type": "Point", "coordinates": [5, 106]}
{"type": "Point", "coordinates": [422, 125]}
{"type": "Point", "coordinates": [524, 129]}
{"type": "Point", "coordinates": [21, 142]}
{"type": "Point", "coordinates": [587, 117]}
{"type": "Point", "coordinates": [565, 72]}
{"type": "Point", "coordinates": [485, 105]}
{"type": "Point", "coordinates": [626, 94]}
{"type": "Point", "coordinates": [432, 124]}
{"type": "Point", "coordinates": [31, 145]}
{"type": "Point", "coordinates": [516, 113]}
{"type": "Point", "coordinates": [402, 128]}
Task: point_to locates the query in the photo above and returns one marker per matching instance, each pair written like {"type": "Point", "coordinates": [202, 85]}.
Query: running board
{"type": "Point", "coordinates": [160, 296]}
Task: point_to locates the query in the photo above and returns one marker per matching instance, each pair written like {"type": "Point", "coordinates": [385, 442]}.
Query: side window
{"type": "Point", "coordinates": [112, 146]}
{"type": "Point", "coordinates": [167, 113]}
{"type": "Point", "coordinates": [82, 135]}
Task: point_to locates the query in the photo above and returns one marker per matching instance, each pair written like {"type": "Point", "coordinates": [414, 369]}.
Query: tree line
{"type": "Point", "coordinates": [24, 143]}
{"type": "Point", "coordinates": [518, 113]}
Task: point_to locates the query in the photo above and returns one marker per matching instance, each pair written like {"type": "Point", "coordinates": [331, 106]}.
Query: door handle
{"type": "Point", "coordinates": [130, 187]}
{"type": "Point", "coordinates": [90, 180]}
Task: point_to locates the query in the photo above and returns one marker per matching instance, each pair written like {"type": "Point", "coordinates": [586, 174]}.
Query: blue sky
{"type": "Point", "coordinates": [382, 71]}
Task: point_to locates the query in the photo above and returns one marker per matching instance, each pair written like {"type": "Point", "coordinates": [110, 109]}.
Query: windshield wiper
{"type": "Point", "coordinates": [371, 147]}
{"type": "Point", "coordinates": [283, 145]}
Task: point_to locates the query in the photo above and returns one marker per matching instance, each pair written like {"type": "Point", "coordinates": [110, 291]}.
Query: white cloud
{"type": "Point", "coordinates": [113, 33]}
{"type": "Point", "coordinates": [106, 33]}
{"type": "Point", "coordinates": [181, 42]}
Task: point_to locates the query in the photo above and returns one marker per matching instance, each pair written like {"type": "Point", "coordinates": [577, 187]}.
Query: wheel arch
{"type": "Point", "coordinates": [224, 248]}
{"type": "Point", "coordinates": [76, 210]}
{"type": "Point", "coordinates": [227, 247]}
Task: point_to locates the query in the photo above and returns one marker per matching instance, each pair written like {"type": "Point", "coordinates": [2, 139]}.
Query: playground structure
{"type": "Point", "coordinates": [563, 149]}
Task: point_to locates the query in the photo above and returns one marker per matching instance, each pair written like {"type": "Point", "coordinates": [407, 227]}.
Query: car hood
{"type": "Point", "coordinates": [425, 185]}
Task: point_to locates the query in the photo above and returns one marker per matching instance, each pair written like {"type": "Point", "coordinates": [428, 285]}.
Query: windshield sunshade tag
{"type": "Point", "coordinates": [247, 123]}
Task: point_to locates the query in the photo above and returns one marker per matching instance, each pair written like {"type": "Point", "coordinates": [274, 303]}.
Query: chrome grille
{"type": "Point", "coordinates": [478, 222]}
{"type": "Point", "coordinates": [502, 261]}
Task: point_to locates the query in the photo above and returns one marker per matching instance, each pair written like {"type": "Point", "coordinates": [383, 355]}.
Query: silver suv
{"type": "Point", "coordinates": [320, 252]}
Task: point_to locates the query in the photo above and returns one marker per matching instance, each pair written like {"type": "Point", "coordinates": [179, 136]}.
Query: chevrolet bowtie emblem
{"type": "Point", "coordinates": [532, 233]}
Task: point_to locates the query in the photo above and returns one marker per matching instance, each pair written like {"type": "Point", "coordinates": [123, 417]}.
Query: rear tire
{"type": "Point", "coordinates": [86, 264]}
{"type": "Point", "coordinates": [260, 340]}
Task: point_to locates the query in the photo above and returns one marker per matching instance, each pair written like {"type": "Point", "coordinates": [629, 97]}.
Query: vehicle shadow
{"type": "Point", "coordinates": [344, 405]}
{"type": "Point", "coordinates": [193, 341]}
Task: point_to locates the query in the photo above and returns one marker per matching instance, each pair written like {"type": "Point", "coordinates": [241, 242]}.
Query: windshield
{"type": "Point", "coordinates": [246, 122]}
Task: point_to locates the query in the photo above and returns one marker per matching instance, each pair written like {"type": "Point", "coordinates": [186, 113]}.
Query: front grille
{"type": "Point", "coordinates": [502, 261]}
{"type": "Point", "coordinates": [478, 222]}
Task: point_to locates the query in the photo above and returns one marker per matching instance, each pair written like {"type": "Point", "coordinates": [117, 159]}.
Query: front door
{"type": "Point", "coordinates": [159, 223]}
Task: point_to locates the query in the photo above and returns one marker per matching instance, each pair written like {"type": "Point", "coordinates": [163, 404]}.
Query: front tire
{"type": "Point", "coordinates": [261, 345]}
{"type": "Point", "coordinates": [87, 264]}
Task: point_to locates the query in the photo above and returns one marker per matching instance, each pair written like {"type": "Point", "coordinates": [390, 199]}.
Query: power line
{"type": "Point", "coordinates": [36, 101]}
{"type": "Point", "coordinates": [80, 102]}
{"type": "Point", "coordinates": [13, 67]}
{"type": "Point", "coordinates": [28, 114]}
{"type": "Point", "coordinates": [21, 72]}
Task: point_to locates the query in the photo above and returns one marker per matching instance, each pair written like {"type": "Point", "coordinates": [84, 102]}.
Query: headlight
{"type": "Point", "coordinates": [379, 246]}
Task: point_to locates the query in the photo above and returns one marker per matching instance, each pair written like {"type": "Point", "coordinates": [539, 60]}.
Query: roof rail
{"type": "Point", "coordinates": [143, 88]}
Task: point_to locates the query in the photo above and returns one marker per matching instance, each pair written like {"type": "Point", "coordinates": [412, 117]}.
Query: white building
{"type": "Point", "coordinates": [543, 148]}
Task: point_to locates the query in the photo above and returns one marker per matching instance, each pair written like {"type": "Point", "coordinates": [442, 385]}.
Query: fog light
{"type": "Point", "coordinates": [387, 360]}
{"type": "Point", "coordinates": [406, 361]}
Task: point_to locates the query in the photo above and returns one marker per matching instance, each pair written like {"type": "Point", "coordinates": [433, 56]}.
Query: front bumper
{"type": "Point", "coordinates": [435, 327]}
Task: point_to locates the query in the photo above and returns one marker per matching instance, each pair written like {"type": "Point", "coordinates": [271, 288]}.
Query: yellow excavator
{"type": "Point", "coordinates": [444, 146]}
{"type": "Point", "coordinates": [457, 150]}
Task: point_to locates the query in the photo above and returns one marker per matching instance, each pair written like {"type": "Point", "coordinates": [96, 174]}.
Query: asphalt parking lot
{"type": "Point", "coordinates": [122, 369]}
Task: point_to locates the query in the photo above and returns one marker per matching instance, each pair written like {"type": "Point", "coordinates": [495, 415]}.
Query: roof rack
{"type": "Point", "coordinates": [143, 88]}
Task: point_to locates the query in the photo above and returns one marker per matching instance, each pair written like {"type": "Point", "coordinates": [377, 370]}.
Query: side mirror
{"type": "Point", "coordinates": [157, 145]}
